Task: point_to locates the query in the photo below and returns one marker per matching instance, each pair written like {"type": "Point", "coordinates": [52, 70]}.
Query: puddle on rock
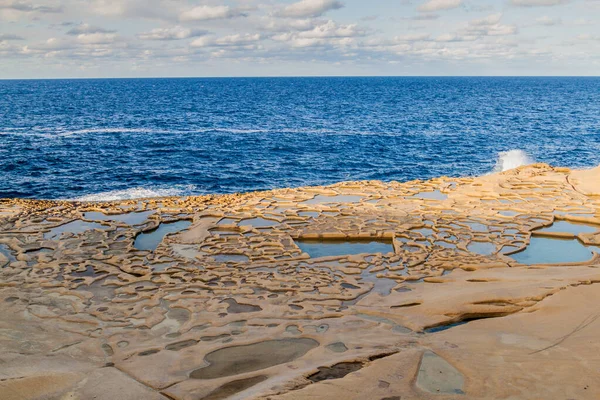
{"type": "Point", "coordinates": [321, 248]}
{"type": "Point", "coordinates": [89, 271]}
{"type": "Point", "coordinates": [229, 389]}
{"type": "Point", "coordinates": [238, 308]}
{"type": "Point", "coordinates": [227, 258]}
{"type": "Point", "coordinates": [569, 227]}
{"type": "Point", "coordinates": [434, 195]}
{"type": "Point", "coordinates": [151, 239]}
{"type": "Point", "coordinates": [258, 222]}
{"type": "Point", "coordinates": [237, 360]}
{"type": "Point", "coordinates": [341, 198]}
{"type": "Point", "coordinates": [337, 347]}
{"type": "Point", "coordinates": [543, 250]}
{"type": "Point", "coordinates": [312, 214]}
{"type": "Point", "coordinates": [437, 376]}
{"type": "Point", "coordinates": [132, 218]}
{"type": "Point", "coordinates": [101, 292]}
{"type": "Point", "coordinates": [75, 227]}
{"type": "Point", "coordinates": [6, 252]}
{"type": "Point", "coordinates": [336, 371]}
{"type": "Point", "coordinates": [483, 248]}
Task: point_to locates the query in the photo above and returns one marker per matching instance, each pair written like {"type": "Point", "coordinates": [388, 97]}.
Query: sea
{"type": "Point", "coordinates": [110, 139]}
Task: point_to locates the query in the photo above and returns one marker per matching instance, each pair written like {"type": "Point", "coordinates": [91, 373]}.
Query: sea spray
{"type": "Point", "coordinates": [511, 159]}
{"type": "Point", "coordinates": [139, 193]}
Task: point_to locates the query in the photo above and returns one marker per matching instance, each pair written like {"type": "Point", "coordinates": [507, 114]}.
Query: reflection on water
{"type": "Point", "coordinates": [151, 239]}
{"type": "Point", "coordinates": [542, 250]}
{"type": "Point", "coordinates": [341, 198]}
{"type": "Point", "coordinates": [570, 227]}
{"type": "Point", "coordinates": [75, 227]}
{"type": "Point", "coordinates": [483, 248]}
{"type": "Point", "coordinates": [320, 248]}
{"type": "Point", "coordinates": [258, 222]}
{"type": "Point", "coordinates": [132, 218]}
{"type": "Point", "coordinates": [434, 195]}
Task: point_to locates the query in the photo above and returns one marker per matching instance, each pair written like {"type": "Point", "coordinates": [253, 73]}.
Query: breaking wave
{"type": "Point", "coordinates": [138, 193]}
{"type": "Point", "coordinates": [512, 159]}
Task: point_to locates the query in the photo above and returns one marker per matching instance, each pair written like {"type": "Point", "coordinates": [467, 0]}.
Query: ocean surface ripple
{"type": "Point", "coordinates": [127, 138]}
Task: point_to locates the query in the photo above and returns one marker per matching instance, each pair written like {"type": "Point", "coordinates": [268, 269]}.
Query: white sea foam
{"type": "Point", "coordinates": [138, 193]}
{"type": "Point", "coordinates": [512, 159]}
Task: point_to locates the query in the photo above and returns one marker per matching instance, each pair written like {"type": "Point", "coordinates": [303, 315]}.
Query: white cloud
{"type": "Point", "coordinates": [537, 3]}
{"type": "Point", "coordinates": [309, 8]}
{"type": "Point", "coordinates": [237, 39]}
{"type": "Point", "coordinates": [87, 29]}
{"type": "Point", "coordinates": [489, 26]}
{"type": "Point", "coordinates": [437, 5]}
{"type": "Point", "coordinates": [96, 38]}
{"type": "Point", "coordinates": [327, 34]}
{"type": "Point", "coordinates": [489, 20]}
{"type": "Point", "coordinates": [134, 9]}
{"type": "Point", "coordinates": [548, 21]}
{"type": "Point", "coordinates": [25, 6]}
{"type": "Point", "coordinates": [9, 36]}
{"type": "Point", "coordinates": [412, 37]}
{"type": "Point", "coordinates": [284, 25]}
{"type": "Point", "coordinates": [583, 22]}
{"type": "Point", "coordinates": [204, 13]}
{"type": "Point", "coordinates": [276, 32]}
{"type": "Point", "coordinates": [330, 29]}
{"type": "Point", "coordinates": [174, 33]}
{"type": "Point", "coordinates": [229, 40]}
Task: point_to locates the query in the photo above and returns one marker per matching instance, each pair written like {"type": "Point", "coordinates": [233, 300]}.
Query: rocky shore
{"type": "Point", "coordinates": [453, 288]}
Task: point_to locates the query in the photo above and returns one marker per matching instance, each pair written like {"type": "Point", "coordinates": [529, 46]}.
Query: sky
{"type": "Point", "coordinates": [173, 38]}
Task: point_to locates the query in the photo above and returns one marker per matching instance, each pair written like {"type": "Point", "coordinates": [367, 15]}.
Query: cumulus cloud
{"type": "Point", "coordinates": [489, 20]}
{"type": "Point", "coordinates": [287, 31]}
{"type": "Point", "coordinates": [418, 37]}
{"type": "Point", "coordinates": [204, 13]}
{"type": "Point", "coordinates": [9, 36]}
{"type": "Point", "coordinates": [24, 6]}
{"type": "Point", "coordinates": [537, 3]}
{"type": "Point", "coordinates": [284, 25]}
{"type": "Point", "coordinates": [51, 44]}
{"type": "Point", "coordinates": [480, 28]}
{"type": "Point", "coordinates": [309, 8]}
{"type": "Point", "coordinates": [489, 26]}
{"type": "Point", "coordinates": [331, 29]}
{"type": "Point", "coordinates": [327, 33]}
{"type": "Point", "coordinates": [83, 29]}
{"type": "Point", "coordinates": [97, 38]}
{"type": "Point", "coordinates": [228, 40]}
{"type": "Point", "coordinates": [438, 5]}
{"type": "Point", "coordinates": [174, 33]}
{"type": "Point", "coordinates": [548, 21]}
{"type": "Point", "coordinates": [135, 9]}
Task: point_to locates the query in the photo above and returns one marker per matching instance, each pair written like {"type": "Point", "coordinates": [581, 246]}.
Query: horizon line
{"type": "Point", "coordinates": [299, 76]}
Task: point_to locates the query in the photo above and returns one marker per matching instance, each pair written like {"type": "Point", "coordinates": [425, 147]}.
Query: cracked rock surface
{"type": "Point", "coordinates": [449, 288]}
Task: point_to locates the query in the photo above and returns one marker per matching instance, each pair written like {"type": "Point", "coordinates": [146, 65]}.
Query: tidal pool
{"type": "Point", "coordinates": [321, 248]}
{"type": "Point", "coordinates": [483, 248]}
{"type": "Point", "coordinates": [312, 214]}
{"type": "Point", "coordinates": [341, 198]}
{"type": "Point", "coordinates": [570, 227]}
{"type": "Point", "coordinates": [132, 218]}
{"type": "Point", "coordinates": [237, 360]}
{"type": "Point", "coordinates": [225, 258]}
{"type": "Point", "coordinates": [76, 227]}
{"type": "Point", "coordinates": [151, 239]}
{"type": "Point", "coordinates": [258, 222]}
{"type": "Point", "coordinates": [542, 250]}
{"type": "Point", "coordinates": [434, 195]}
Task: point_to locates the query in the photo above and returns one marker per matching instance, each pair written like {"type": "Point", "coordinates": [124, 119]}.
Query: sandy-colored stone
{"type": "Point", "coordinates": [85, 314]}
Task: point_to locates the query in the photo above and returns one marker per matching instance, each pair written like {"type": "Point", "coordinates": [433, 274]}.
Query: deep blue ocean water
{"type": "Point", "coordinates": [105, 139]}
